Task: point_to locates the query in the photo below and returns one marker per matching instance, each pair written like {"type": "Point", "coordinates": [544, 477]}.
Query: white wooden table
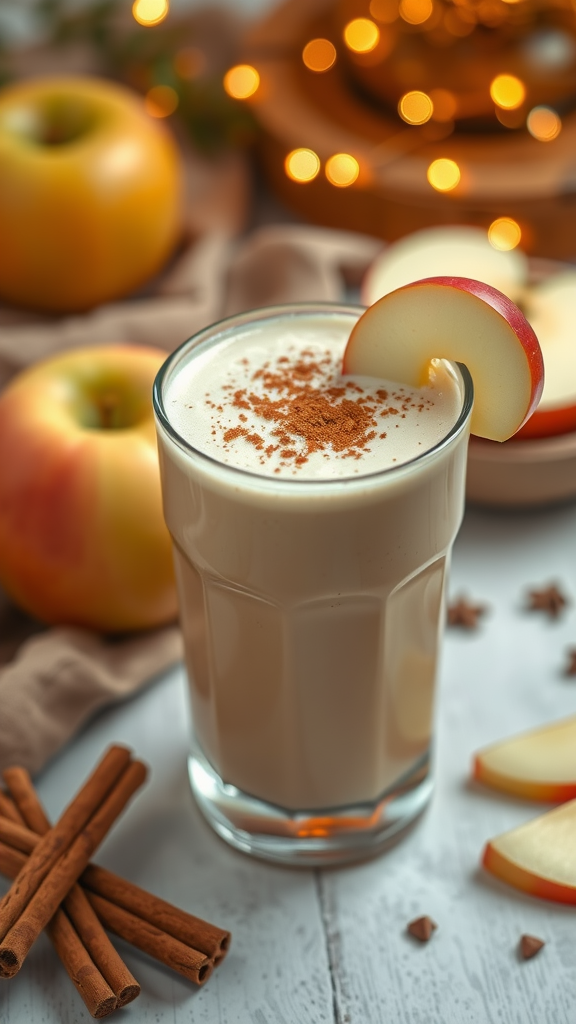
{"type": "Point", "coordinates": [330, 947]}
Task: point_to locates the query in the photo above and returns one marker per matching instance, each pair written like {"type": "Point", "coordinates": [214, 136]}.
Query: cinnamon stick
{"type": "Point", "coordinates": [174, 924]}
{"type": "Point", "coordinates": [59, 838]}
{"type": "Point", "coordinates": [214, 942]}
{"type": "Point", "coordinates": [190, 962]}
{"type": "Point", "coordinates": [86, 924]}
{"type": "Point", "coordinates": [88, 980]}
{"type": "Point", "coordinates": [9, 810]}
{"type": "Point", "coordinates": [98, 997]}
{"type": "Point", "coordinates": [57, 882]}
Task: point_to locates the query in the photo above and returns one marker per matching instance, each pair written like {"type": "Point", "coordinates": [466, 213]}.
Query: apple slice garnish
{"type": "Point", "coordinates": [537, 765]}
{"type": "Point", "coordinates": [551, 309]}
{"type": "Point", "coordinates": [462, 320]}
{"type": "Point", "coordinates": [539, 857]}
{"type": "Point", "coordinates": [455, 250]}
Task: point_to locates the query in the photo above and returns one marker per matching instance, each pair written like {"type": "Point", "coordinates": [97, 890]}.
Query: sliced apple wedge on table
{"type": "Point", "coordinates": [464, 321]}
{"type": "Point", "coordinates": [539, 857]}
{"type": "Point", "coordinates": [537, 765]}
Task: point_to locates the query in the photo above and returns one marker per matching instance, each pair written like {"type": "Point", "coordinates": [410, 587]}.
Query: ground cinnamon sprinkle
{"type": "Point", "coordinates": [310, 407]}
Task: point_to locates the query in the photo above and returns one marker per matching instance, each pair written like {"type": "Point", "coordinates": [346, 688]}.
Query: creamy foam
{"type": "Point", "coordinates": [271, 399]}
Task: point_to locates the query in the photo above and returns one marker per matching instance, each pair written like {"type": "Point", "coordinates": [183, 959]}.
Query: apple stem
{"type": "Point", "coordinates": [107, 405]}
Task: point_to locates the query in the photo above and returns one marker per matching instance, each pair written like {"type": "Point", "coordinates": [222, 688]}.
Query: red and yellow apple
{"type": "Point", "coordinates": [82, 535]}
{"type": "Point", "coordinates": [90, 193]}
{"type": "Point", "coordinates": [538, 765]}
{"type": "Point", "coordinates": [539, 857]}
{"type": "Point", "coordinates": [462, 320]}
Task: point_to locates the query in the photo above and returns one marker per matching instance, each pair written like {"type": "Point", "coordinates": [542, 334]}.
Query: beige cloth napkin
{"type": "Point", "coordinates": [61, 677]}
{"type": "Point", "coordinates": [58, 678]}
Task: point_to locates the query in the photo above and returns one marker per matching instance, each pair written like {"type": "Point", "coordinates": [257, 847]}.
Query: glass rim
{"type": "Point", "coordinates": [214, 333]}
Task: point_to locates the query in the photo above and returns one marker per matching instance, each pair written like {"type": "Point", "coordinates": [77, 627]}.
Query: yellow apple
{"type": "Point", "coordinates": [82, 535]}
{"type": "Point", "coordinates": [90, 191]}
{"type": "Point", "coordinates": [539, 857]}
{"type": "Point", "coordinates": [538, 765]}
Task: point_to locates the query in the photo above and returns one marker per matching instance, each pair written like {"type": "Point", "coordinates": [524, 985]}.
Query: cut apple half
{"type": "Point", "coordinates": [537, 765]}
{"type": "Point", "coordinates": [462, 320]}
{"type": "Point", "coordinates": [551, 309]}
{"type": "Point", "coordinates": [540, 857]}
{"type": "Point", "coordinates": [453, 251]}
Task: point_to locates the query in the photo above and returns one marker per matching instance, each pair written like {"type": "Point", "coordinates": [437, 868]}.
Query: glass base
{"type": "Point", "coordinates": [308, 838]}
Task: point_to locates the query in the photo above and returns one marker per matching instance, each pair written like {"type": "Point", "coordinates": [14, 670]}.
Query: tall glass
{"type": "Point", "coordinates": [312, 613]}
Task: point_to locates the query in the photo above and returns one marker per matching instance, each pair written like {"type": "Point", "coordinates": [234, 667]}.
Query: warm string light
{"type": "Point", "coordinates": [415, 107]}
{"type": "Point", "coordinates": [544, 124]}
{"type": "Point", "coordinates": [443, 174]}
{"type": "Point", "coordinates": [241, 81]}
{"type": "Point", "coordinates": [416, 12]}
{"type": "Point", "coordinates": [385, 11]}
{"type": "Point", "coordinates": [444, 105]}
{"type": "Point", "coordinates": [302, 165]}
{"type": "Point", "coordinates": [161, 101]}
{"type": "Point", "coordinates": [319, 55]}
{"type": "Point", "coordinates": [507, 91]}
{"type": "Point", "coordinates": [361, 35]}
{"type": "Point", "coordinates": [504, 234]}
{"type": "Point", "coordinates": [342, 170]}
{"type": "Point", "coordinates": [150, 12]}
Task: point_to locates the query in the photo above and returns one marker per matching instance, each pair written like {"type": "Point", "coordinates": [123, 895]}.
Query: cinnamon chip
{"type": "Point", "coordinates": [421, 928]}
{"type": "Point", "coordinates": [550, 600]}
{"type": "Point", "coordinates": [530, 945]}
{"type": "Point", "coordinates": [465, 614]}
{"type": "Point", "coordinates": [570, 669]}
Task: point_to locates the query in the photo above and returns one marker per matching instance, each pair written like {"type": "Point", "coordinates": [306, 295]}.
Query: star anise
{"type": "Point", "coordinates": [570, 669]}
{"type": "Point", "coordinates": [465, 614]}
{"type": "Point", "coordinates": [550, 600]}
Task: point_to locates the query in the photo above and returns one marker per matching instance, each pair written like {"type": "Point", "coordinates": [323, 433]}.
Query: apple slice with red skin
{"type": "Point", "coordinates": [462, 320]}
{"type": "Point", "coordinates": [539, 857]}
{"type": "Point", "coordinates": [537, 765]}
{"type": "Point", "coordinates": [551, 309]}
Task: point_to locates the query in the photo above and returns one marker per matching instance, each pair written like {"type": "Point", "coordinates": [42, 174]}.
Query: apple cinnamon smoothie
{"type": "Point", "coordinates": [312, 515]}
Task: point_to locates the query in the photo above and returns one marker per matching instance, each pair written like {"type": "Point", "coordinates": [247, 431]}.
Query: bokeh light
{"type": "Point", "coordinates": [504, 234]}
{"type": "Point", "coordinates": [241, 81]}
{"type": "Point", "coordinates": [459, 21]}
{"type": "Point", "coordinates": [544, 124]}
{"type": "Point", "coordinates": [507, 91]}
{"type": "Point", "coordinates": [150, 12]}
{"type": "Point", "coordinates": [319, 55]}
{"type": "Point", "coordinates": [342, 169]}
{"type": "Point", "coordinates": [415, 107]}
{"type": "Point", "coordinates": [416, 12]}
{"type": "Point", "coordinates": [189, 63]}
{"type": "Point", "coordinates": [443, 174]}
{"type": "Point", "coordinates": [385, 11]}
{"type": "Point", "coordinates": [361, 35]}
{"type": "Point", "coordinates": [161, 101]}
{"type": "Point", "coordinates": [444, 104]}
{"type": "Point", "coordinates": [302, 165]}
